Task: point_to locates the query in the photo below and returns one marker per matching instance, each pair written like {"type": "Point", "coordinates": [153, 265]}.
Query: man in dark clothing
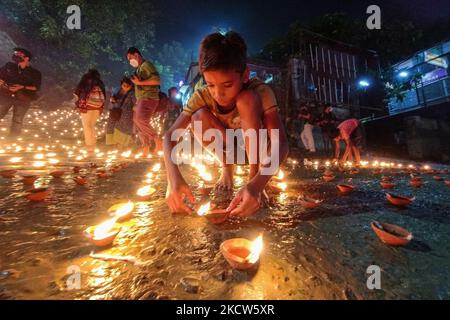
{"type": "Point", "coordinates": [19, 83]}
{"type": "Point", "coordinates": [327, 123]}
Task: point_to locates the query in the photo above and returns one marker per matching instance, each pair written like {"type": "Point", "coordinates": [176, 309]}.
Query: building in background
{"type": "Point", "coordinates": [324, 71]}
{"type": "Point", "coordinates": [427, 72]}
{"type": "Point", "coordinates": [418, 124]}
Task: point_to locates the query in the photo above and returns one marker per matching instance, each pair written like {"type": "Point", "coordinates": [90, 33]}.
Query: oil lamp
{"type": "Point", "coordinates": [242, 253]}
{"type": "Point", "coordinates": [80, 180]}
{"type": "Point", "coordinates": [122, 211]}
{"type": "Point", "coordinates": [103, 234]}
{"type": "Point", "coordinates": [38, 194]}
{"type": "Point", "coordinates": [308, 203]}
{"type": "Point", "coordinates": [391, 234]}
{"type": "Point", "coordinates": [215, 216]}
{"type": "Point", "coordinates": [8, 173]}
{"type": "Point", "coordinates": [29, 179]}
{"type": "Point", "coordinates": [145, 192]}
{"type": "Point", "coordinates": [57, 173]}
{"type": "Point", "coordinates": [345, 188]}
{"type": "Point", "coordinates": [399, 201]}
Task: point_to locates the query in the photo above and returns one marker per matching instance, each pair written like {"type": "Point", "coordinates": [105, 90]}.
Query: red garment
{"type": "Point", "coordinates": [347, 127]}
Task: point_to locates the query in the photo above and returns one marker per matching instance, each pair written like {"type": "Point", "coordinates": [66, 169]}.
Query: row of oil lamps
{"type": "Point", "coordinates": [388, 233]}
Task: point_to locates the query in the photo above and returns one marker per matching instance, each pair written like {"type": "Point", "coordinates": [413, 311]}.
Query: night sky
{"type": "Point", "coordinates": [187, 21]}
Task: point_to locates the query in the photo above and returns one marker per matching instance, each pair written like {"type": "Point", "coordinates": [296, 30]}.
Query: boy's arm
{"type": "Point", "coordinates": [245, 202]}
{"type": "Point", "coordinates": [177, 187]}
{"type": "Point", "coordinates": [272, 121]}
{"type": "Point", "coordinates": [149, 82]}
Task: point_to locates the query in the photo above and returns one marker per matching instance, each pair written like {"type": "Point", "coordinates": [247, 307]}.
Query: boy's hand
{"type": "Point", "coordinates": [245, 203]}
{"type": "Point", "coordinates": [175, 197]}
{"type": "Point", "coordinates": [135, 80]}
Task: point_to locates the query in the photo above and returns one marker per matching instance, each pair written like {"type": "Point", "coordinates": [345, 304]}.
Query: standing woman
{"type": "Point", "coordinates": [91, 100]}
{"type": "Point", "coordinates": [119, 130]}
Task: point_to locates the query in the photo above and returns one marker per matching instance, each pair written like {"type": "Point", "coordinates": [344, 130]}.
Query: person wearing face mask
{"type": "Point", "coordinates": [146, 82]}
{"type": "Point", "coordinates": [19, 83]}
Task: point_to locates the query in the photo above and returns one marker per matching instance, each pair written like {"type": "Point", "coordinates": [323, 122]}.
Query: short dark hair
{"type": "Point", "coordinates": [223, 52]}
{"type": "Point", "coordinates": [133, 50]}
{"type": "Point", "coordinates": [127, 81]}
{"type": "Point", "coordinates": [26, 52]}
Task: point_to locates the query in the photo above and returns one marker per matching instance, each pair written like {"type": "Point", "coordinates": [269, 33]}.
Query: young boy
{"type": "Point", "coordinates": [349, 131]}
{"type": "Point", "coordinates": [230, 100]}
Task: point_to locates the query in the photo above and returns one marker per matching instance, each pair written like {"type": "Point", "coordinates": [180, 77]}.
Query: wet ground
{"type": "Point", "coordinates": [320, 253]}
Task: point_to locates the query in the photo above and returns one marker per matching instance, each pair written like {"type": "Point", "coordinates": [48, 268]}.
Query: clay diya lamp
{"type": "Point", "coordinates": [38, 194]}
{"type": "Point", "coordinates": [391, 234]}
{"type": "Point", "coordinates": [328, 178]}
{"type": "Point", "coordinates": [145, 192]}
{"type": "Point", "coordinates": [308, 203]}
{"type": "Point", "coordinates": [279, 176]}
{"type": "Point", "coordinates": [278, 188]}
{"type": "Point", "coordinates": [76, 169]}
{"type": "Point", "coordinates": [103, 234]}
{"type": "Point", "coordinates": [81, 181]}
{"type": "Point", "coordinates": [204, 191]}
{"type": "Point", "coordinates": [399, 201]}
{"type": "Point", "coordinates": [101, 174]}
{"type": "Point", "coordinates": [215, 216]}
{"type": "Point", "coordinates": [241, 253]}
{"type": "Point", "coordinates": [240, 171]}
{"type": "Point", "coordinates": [438, 178]}
{"type": "Point", "coordinates": [122, 211]}
{"type": "Point", "coordinates": [345, 188]}
{"type": "Point", "coordinates": [387, 185]}
{"type": "Point", "coordinates": [29, 180]}
{"type": "Point", "coordinates": [416, 183]}
{"type": "Point", "coordinates": [116, 168]}
{"type": "Point", "coordinates": [57, 173]}
{"type": "Point", "coordinates": [8, 173]}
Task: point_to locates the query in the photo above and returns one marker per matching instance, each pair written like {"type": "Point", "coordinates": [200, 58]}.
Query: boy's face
{"type": "Point", "coordinates": [225, 85]}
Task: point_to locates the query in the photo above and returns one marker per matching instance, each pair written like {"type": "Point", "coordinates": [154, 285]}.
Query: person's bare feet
{"type": "Point", "coordinates": [145, 151]}
{"type": "Point", "coordinates": [158, 145]}
{"type": "Point", "coordinates": [226, 178]}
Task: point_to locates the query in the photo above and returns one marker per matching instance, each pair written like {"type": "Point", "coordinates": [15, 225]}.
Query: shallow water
{"type": "Point", "coordinates": [320, 253]}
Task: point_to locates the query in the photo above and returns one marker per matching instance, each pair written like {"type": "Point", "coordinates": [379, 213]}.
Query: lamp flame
{"type": "Point", "coordinates": [102, 230]}
{"type": "Point", "coordinates": [255, 250]}
{"type": "Point", "coordinates": [204, 209]}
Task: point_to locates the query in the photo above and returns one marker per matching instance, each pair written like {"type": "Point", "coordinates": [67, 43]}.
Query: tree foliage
{"type": "Point", "coordinates": [108, 28]}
